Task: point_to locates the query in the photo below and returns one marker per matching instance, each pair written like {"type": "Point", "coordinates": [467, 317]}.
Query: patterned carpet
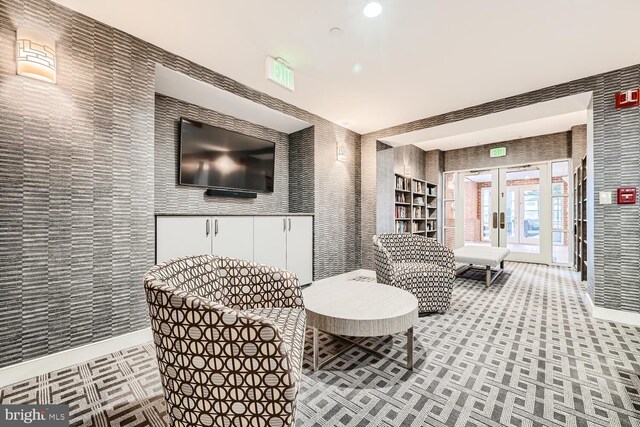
{"type": "Point", "coordinates": [523, 352]}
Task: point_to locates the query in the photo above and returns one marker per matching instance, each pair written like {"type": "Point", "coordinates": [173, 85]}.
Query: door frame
{"type": "Point", "coordinates": [545, 255]}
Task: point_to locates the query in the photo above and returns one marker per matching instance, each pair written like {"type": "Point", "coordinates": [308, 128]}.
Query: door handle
{"type": "Point", "coordinates": [495, 220]}
{"type": "Point", "coordinates": [284, 224]}
{"type": "Point", "coordinates": [208, 228]}
{"type": "Point", "coordinates": [502, 220]}
{"type": "Point", "coordinates": [289, 224]}
{"type": "Point", "coordinates": [216, 228]}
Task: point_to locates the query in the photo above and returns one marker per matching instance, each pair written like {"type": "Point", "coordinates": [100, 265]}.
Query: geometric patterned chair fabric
{"type": "Point", "coordinates": [417, 264]}
{"type": "Point", "coordinates": [229, 339]}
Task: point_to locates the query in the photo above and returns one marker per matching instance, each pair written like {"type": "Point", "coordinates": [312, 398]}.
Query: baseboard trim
{"type": "Point", "coordinates": [610, 315]}
{"type": "Point", "coordinates": [588, 302]}
{"type": "Point", "coordinates": [53, 362]}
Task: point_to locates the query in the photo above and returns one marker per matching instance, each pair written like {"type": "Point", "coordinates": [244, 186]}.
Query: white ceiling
{"type": "Point", "coordinates": [417, 59]}
{"type": "Point", "coordinates": [542, 118]}
{"type": "Point", "coordinates": [180, 86]}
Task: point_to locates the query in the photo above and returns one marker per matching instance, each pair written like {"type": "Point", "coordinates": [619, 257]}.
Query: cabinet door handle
{"type": "Point", "coordinates": [216, 227]}
{"type": "Point", "coordinates": [284, 224]}
{"type": "Point", "coordinates": [208, 228]}
{"type": "Point", "coordinates": [289, 224]}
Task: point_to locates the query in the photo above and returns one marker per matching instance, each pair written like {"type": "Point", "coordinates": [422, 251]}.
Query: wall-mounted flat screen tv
{"type": "Point", "coordinates": [213, 157]}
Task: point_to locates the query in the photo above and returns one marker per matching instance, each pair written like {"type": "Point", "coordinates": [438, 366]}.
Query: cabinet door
{"type": "Point", "coordinates": [300, 247]}
{"type": "Point", "coordinates": [182, 236]}
{"type": "Point", "coordinates": [233, 237]}
{"type": "Point", "coordinates": [270, 241]}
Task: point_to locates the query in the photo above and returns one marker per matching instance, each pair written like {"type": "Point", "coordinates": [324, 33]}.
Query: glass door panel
{"type": "Point", "coordinates": [511, 215]}
{"type": "Point", "coordinates": [560, 212]}
{"type": "Point", "coordinates": [516, 208]}
{"type": "Point", "coordinates": [478, 210]}
{"type": "Point", "coordinates": [522, 210]}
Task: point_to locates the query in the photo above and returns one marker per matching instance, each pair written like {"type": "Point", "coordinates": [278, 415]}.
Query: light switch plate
{"type": "Point", "coordinates": [605, 197]}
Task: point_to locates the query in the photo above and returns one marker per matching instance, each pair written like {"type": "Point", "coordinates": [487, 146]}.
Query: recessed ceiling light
{"type": "Point", "coordinates": [372, 9]}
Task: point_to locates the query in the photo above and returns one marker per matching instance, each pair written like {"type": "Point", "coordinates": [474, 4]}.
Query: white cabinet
{"type": "Point", "coordinates": [270, 240]}
{"type": "Point", "coordinates": [280, 241]}
{"type": "Point", "coordinates": [300, 247]}
{"type": "Point", "coordinates": [182, 236]}
{"type": "Point", "coordinates": [285, 242]}
{"type": "Point", "coordinates": [233, 236]}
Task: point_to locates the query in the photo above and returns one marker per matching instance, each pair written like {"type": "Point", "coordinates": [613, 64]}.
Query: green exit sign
{"type": "Point", "coordinates": [498, 152]}
{"type": "Point", "coordinates": [280, 73]}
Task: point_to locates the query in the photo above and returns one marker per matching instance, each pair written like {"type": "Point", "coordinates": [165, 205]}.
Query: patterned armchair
{"type": "Point", "coordinates": [229, 337]}
{"type": "Point", "coordinates": [416, 264]}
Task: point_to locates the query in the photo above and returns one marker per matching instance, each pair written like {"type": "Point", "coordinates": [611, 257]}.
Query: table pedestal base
{"type": "Point", "coordinates": [317, 364]}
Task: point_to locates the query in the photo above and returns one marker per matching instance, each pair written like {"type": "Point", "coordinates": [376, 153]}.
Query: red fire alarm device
{"type": "Point", "coordinates": [626, 195]}
{"type": "Point", "coordinates": [629, 98]}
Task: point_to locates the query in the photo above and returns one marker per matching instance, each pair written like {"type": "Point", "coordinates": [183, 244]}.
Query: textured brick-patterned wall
{"type": "Point", "coordinates": [385, 180]}
{"type": "Point", "coordinates": [391, 161]}
{"type": "Point", "coordinates": [614, 266]}
{"type": "Point", "coordinates": [301, 171]}
{"type": "Point", "coordinates": [77, 183]}
{"type": "Point", "coordinates": [411, 156]}
{"type": "Point", "coordinates": [526, 150]}
{"type": "Point", "coordinates": [170, 198]}
{"type": "Point", "coordinates": [578, 144]}
{"type": "Point", "coordinates": [434, 166]}
{"type": "Point", "coordinates": [337, 201]}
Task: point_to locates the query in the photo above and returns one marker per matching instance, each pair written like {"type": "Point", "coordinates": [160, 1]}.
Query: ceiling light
{"type": "Point", "coordinates": [372, 9]}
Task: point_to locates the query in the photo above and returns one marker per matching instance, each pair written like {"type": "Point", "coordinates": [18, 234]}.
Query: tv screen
{"type": "Point", "coordinates": [214, 157]}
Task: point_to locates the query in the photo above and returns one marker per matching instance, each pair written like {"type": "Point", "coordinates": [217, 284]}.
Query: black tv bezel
{"type": "Point", "coordinates": [247, 190]}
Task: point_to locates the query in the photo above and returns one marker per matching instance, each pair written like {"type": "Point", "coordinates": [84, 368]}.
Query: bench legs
{"type": "Point", "coordinates": [490, 275]}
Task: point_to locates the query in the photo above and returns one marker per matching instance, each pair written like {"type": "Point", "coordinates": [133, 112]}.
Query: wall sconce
{"type": "Point", "coordinates": [341, 152]}
{"type": "Point", "coordinates": [36, 55]}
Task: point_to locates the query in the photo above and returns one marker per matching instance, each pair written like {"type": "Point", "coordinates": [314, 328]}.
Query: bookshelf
{"type": "Point", "coordinates": [580, 219]}
{"type": "Point", "coordinates": [431, 198]}
{"type": "Point", "coordinates": [416, 206]}
{"type": "Point", "coordinates": [402, 206]}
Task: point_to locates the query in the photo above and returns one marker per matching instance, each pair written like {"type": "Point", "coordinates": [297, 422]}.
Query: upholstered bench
{"type": "Point", "coordinates": [487, 256]}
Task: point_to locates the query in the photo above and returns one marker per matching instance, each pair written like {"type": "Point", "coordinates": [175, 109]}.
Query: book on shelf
{"type": "Point", "coordinates": [400, 198]}
{"type": "Point", "coordinates": [402, 226]}
{"type": "Point", "coordinates": [418, 187]}
{"type": "Point", "coordinates": [401, 212]}
{"type": "Point", "coordinates": [418, 200]}
{"type": "Point", "coordinates": [402, 184]}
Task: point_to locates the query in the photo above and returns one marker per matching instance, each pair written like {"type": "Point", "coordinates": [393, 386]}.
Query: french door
{"type": "Point", "coordinates": [506, 207]}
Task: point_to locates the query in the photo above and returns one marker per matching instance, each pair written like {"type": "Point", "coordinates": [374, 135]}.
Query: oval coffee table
{"type": "Point", "coordinates": [359, 309]}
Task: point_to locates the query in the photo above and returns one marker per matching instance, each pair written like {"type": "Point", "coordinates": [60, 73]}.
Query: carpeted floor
{"type": "Point", "coordinates": [524, 352]}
